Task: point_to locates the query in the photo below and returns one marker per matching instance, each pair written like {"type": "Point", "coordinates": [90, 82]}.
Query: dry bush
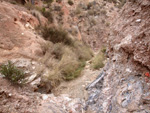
{"type": "Point", "coordinates": [70, 2]}
{"type": "Point", "coordinates": [56, 35]}
{"type": "Point", "coordinates": [98, 61]}
{"type": "Point", "coordinates": [83, 51]}
{"type": "Point", "coordinates": [68, 64]}
{"type": "Point", "coordinates": [48, 14]}
{"type": "Point", "coordinates": [65, 62]}
{"type": "Point", "coordinates": [29, 6]}
{"type": "Point", "coordinates": [59, 1]}
{"type": "Point", "coordinates": [48, 1]}
{"type": "Point", "coordinates": [37, 14]}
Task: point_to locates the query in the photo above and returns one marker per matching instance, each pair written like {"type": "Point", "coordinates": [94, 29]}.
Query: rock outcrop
{"type": "Point", "coordinates": [17, 37]}
{"type": "Point", "coordinates": [125, 88]}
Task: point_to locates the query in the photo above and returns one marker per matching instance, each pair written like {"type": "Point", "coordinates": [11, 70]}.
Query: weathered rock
{"type": "Point", "coordinates": [125, 88]}
{"type": "Point", "coordinates": [17, 38]}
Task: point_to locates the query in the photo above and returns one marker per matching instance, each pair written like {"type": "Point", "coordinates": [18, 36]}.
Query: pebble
{"type": "Point", "coordinates": [138, 20]}
{"type": "Point", "coordinates": [44, 97]}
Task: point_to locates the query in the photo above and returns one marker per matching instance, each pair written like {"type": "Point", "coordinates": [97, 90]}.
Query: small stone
{"type": "Point", "coordinates": [44, 97]}
{"type": "Point", "coordinates": [128, 70]}
{"type": "Point", "coordinates": [83, 85]}
{"type": "Point", "coordinates": [124, 103]}
{"type": "Point", "coordinates": [9, 94]}
{"type": "Point", "coordinates": [138, 20]}
{"type": "Point", "coordinates": [33, 67]}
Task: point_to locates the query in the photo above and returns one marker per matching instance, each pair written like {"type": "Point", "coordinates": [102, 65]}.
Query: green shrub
{"type": "Point", "coordinates": [98, 61]}
{"type": "Point", "coordinates": [71, 71]}
{"type": "Point", "coordinates": [12, 73]}
{"type": "Point", "coordinates": [70, 2]}
{"type": "Point", "coordinates": [103, 50]}
{"type": "Point", "coordinates": [56, 35]}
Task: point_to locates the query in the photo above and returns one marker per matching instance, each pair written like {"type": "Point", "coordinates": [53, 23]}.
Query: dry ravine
{"type": "Point", "coordinates": [58, 76]}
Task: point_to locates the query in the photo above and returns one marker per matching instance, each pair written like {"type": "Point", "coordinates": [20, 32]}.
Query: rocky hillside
{"type": "Point", "coordinates": [50, 42]}
{"type": "Point", "coordinates": [124, 83]}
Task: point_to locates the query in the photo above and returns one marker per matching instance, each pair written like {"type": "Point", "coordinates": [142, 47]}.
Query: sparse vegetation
{"type": "Point", "coordinates": [57, 8]}
{"type": "Point", "coordinates": [91, 12]}
{"type": "Point", "coordinates": [70, 2]}
{"type": "Point", "coordinates": [107, 24]}
{"type": "Point", "coordinates": [122, 2]}
{"type": "Point", "coordinates": [119, 3]}
{"type": "Point", "coordinates": [72, 70]}
{"type": "Point", "coordinates": [37, 14]}
{"type": "Point", "coordinates": [98, 61]}
{"type": "Point", "coordinates": [89, 5]}
{"type": "Point", "coordinates": [56, 35]}
{"type": "Point", "coordinates": [104, 12]}
{"type": "Point", "coordinates": [48, 14]}
{"type": "Point", "coordinates": [59, 1]}
{"type": "Point", "coordinates": [65, 62]}
{"type": "Point", "coordinates": [29, 6]}
{"type": "Point", "coordinates": [12, 73]}
{"type": "Point", "coordinates": [49, 1]}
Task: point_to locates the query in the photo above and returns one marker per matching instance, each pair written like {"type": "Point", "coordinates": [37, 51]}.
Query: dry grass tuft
{"type": "Point", "coordinates": [98, 61]}
{"type": "Point", "coordinates": [65, 62]}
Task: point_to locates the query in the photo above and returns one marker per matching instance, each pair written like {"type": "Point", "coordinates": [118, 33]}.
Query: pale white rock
{"type": "Point", "coordinates": [138, 20]}
{"type": "Point", "coordinates": [28, 25]}
{"type": "Point", "coordinates": [9, 94]}
{"type": "Point", "coordinates": [44, 97]}
{"type": "Point", "coordinates": [83, 85]}
{"type": "Point", "coordinates": [33, 67]}
{"type": "Point", "coordinates": [126, 41]}
{"type": "Point", "coordinates": [32, 77]}
{"type": "Point", "coordinates": [128, 70]}
{"type": "Point", "coordinates": [33, 63]}
{"type": "Point", "coordinates": [36, 82]}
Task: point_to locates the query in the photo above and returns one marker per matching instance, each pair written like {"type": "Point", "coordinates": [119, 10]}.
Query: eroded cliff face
{"type": "Point", "coordinates": [124, 87]}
